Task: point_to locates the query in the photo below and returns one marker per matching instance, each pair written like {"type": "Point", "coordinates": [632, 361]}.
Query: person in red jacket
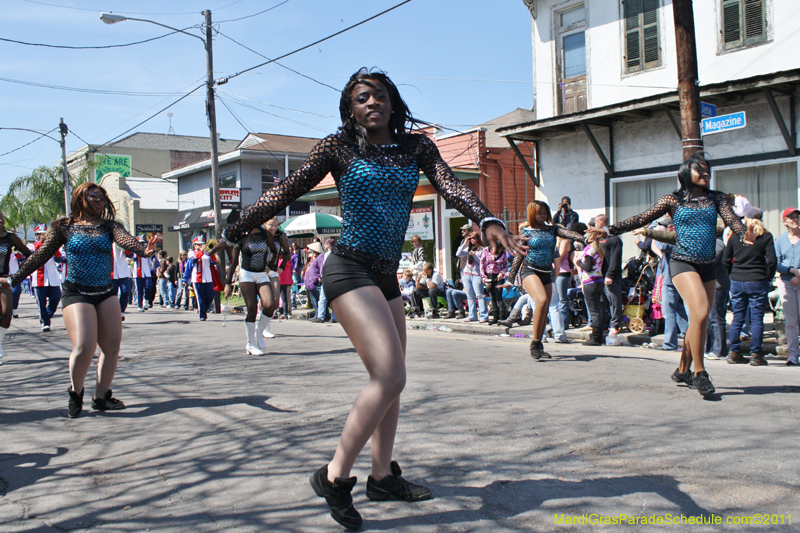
{"type": "Point", "coordinates": [46, 281]}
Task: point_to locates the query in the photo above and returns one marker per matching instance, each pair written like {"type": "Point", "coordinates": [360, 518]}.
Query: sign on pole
{"type": "Point", "coordinates": [730, 122]}
{"type": "Point", "coordinates": [707, 110]}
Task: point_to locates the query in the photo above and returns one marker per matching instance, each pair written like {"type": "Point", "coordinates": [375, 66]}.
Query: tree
{"type": "Point", "coordinates": [18, 214]}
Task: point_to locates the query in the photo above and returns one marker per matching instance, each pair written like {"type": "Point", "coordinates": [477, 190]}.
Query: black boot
{"type": "Point", "coordinates": [596, 338]}
{"type": "Point", "coordinates": [513, 317]}
{"type": "Point", "coordinates": [450, 314]}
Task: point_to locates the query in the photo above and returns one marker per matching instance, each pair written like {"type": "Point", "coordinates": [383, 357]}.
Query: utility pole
{"type": "Point", "coordinates": [211, 112]}
{"type": "Point", "coordinates": [688, 82]}
{"type": "Point", "coordinates": [64, 173]}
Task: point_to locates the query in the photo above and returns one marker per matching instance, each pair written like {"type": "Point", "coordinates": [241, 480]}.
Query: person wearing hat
{"type": "Point", "coordinates": [254, 283]}
{"type": "Point", "coordinates": [787, 253]}
{"type": "Point", "coordinates": [694, 209]}
{"type": "Point", "coordinates": [88, 303]}
{"type": "Point", "coordinates": [7, 242]}
{"type": "Point", "coordinates": [142, 270]}
{"type": "Point", "coordinates": [322, 303]}
{"type": "Point", "coordinates": [199, 272]}
{"type": "Point", "coordinates": [46, 281]}
{"type": "Point", "coordinates": [375, 160]}
{"type": "Point", "coordinates": [313, 277]}
{"type": "Point", "coordinates": [751, 268]}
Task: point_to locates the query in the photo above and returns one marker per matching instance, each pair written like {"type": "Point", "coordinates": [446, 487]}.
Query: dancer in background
{"type": "Point", "coordinates": [7, 242]}
{"type": "Point", "coordinates": [281, 251]}
{"type": "Point", "coordinates": [375, 162]}
{"type": "Point", "coordinates": [91, 312]}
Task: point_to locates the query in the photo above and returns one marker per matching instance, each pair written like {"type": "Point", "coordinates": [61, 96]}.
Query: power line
{"type": "Point", "coordinates": [92, 47]}
{"type": "Point", "coordinates": [276, 106]}
{"type": "Point", "coordinates": [253, 15]}
{"type": "Point", "coordinates": [82, 89]}
{"type": "Point", "coordinates": [280, 117]}
{"type": "Point", "coordinates": [95, 10]}
{"type": "Point", "coordinates": [111, 155]}
{"type": "Point", "coordinates": [241, 123]}
{"type": "Point", "coordinates": [226, 78]}
{"type": "Point", "coordinates": [29, 143]}
{"type": "Point", "coordinates": [279, 64]}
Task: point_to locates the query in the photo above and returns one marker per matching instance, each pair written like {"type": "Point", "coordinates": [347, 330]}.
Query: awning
{"type": "Point", "coordinates": [201, 217]}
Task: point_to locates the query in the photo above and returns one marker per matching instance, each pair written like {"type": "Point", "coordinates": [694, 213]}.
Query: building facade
{"type": "Point", "coordinates": [606, 127]}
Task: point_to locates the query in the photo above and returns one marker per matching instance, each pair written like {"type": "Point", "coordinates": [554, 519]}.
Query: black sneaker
{"type": "Point", "coordinates": [395, 487]}
{"type": "Point", "coordinates": [683, 377]}
{"type": "Point", "coordinates": [338, 497]}
{"type": "Point", "coordinates": [75, 405]}
{"type": "Point", "coordinates": [703, 383]}
{"type": "Point", "coordinates": [107, 403]}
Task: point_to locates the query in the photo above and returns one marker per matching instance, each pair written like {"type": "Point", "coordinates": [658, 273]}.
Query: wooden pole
{"type": "Point", "coordinates": [688, 83]}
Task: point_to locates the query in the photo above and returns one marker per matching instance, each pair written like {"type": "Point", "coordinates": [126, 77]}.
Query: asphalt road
{"type": "Point", "coordinates": [216, 440]}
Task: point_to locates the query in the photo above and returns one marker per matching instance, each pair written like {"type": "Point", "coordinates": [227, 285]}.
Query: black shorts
{"type": "Point", "coordinates": [69, 297]}
{"type": "Point", "coordinates": [707, 272]}
{"type": "Point", "coordinates": [340, 275]}
{"type": "Point", "coordinates": [525, 271]}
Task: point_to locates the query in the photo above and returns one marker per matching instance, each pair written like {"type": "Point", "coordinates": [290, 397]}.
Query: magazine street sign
{"type": "Point", "coordinates": [730, 122]}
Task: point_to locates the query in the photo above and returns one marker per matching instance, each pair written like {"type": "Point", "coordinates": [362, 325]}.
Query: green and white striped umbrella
{"type": "Point", "coordinates": [313, 224]}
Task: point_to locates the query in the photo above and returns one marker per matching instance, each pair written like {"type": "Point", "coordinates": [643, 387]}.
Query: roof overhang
{"type": "Point", "coordinates": [718, 93]}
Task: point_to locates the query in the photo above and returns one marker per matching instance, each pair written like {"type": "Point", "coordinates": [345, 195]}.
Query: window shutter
{"type": "Point", "coordinates": [641, 34]}
{"type": "Point", "coordinates": [633, 56]}
{"type": "Point", "coordinates": [650, 25]}
{"type": "Point", "coordinates": [731, 26]}
{"type": "Point", "coordinates": [753, 18]}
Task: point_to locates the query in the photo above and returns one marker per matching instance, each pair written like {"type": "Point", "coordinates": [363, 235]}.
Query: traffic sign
{"type": "Point", "coordinates": [730, 122]}
{"type": "Point", "coordinates": [707, 110]}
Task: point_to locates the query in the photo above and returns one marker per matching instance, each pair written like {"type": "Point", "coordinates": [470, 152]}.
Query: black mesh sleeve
{"type": "Point", "coordinates": [55, 239]}
{"type": "Point", "coordinates": [571, 235]}
{"type": "Point", "coordinates": [127, 241]}
{"type": "Point", "coordinates": [284, 249]}
{"type": "Point", "coordinates": [231, 270]}
{"type": "Point", "coordinates": [659, 209]}
{"type": "Point", "coordinates": [17, 243]}
{"type": "Point", "coordinates": [726, 212]}
{"type": "Point", "coordinates": [319, 162]}
{"type": "Point", "coordinates": [447, 184]}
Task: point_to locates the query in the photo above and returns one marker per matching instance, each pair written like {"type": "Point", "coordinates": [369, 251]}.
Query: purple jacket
{"type": "Point", "coordinates": [314, 273]}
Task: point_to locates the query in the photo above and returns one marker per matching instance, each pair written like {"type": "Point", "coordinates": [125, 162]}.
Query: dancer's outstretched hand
{"type": "Point", "coordinates": [750, 237]}
{"type": "Point", "coordinates": [592, 234]}
{"type": "Point", "coordinates": [514, 243]}
{"type": "Point", "coordinates": [221, 245]}
{"type": "Point", "coordinates": [151, 246]}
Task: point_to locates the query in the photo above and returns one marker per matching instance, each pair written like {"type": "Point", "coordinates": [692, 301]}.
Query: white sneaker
{"type": "Point", "coordinates": [712, 356]}
{"type": "Point", "coordinates": [253, 350]}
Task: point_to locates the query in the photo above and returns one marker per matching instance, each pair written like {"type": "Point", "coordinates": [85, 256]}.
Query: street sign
{"type": "Point", "coordinates": [707, 110]}
{"type": "Point", "coordinates": [730, 122]}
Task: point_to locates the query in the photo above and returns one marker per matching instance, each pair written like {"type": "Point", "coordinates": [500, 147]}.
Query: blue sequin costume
{"type": "Point", "coordinates": [541, 247]}
{"type": "Point", "coordinates": [376, 189]}
{"type": "Point", "coordinates": [89, 254]}
{"type": "Point", "coordinates": [695, 224]}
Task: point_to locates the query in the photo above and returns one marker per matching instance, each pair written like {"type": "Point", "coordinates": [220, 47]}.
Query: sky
{"type": "Point", "coordinates": [458, 63]}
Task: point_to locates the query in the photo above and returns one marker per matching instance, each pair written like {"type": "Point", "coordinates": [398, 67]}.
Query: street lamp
{"type": "Point", "coordinates": [113, 18]}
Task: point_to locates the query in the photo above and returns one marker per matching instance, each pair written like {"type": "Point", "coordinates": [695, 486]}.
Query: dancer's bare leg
{"type": "Point", "coordinates": [267, 298]}
{"type": "Point", "coordinates": [698, 297]}
{"type": "Point", "coordinates": [6, 307]}
{"type": "Point", "coordinates": [109, 337]}
{"type": "Point", "coordinates": [248, 291]}
{"type": "Point", "coordinates": [541, 297]}
{"type": "Point", "coordinates": [275, 291]}
{"type": "Point", "coordinates": [373, 326]}
{"type": "Point", "coordinates": [81, 322]}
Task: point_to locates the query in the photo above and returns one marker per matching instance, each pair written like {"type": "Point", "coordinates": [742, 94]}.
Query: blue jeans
{"type": "Point", "coordinates": [143, 286]}
{"type": "Point", "coordinates": [561, 290]}
{"type": "Point", "coordinates": [473, 286]}
{"type": "Point", "coordinates": [752, 296]}
{"type": "Point", "coordinates": [455, 299]}
{"type": "Point", "coordinates": [322, 307]}
{"type": "Point", "coordinates": [313, 297]}
{"type": "Point", "coordinates": [205, 297]}
{"type": "Point", "coordinates": [675, 317]}
{"type": "Point", "coordinates": [717, 342]}
{"type": "Point", "coordinates": [47, 298]}
{"type": "Point", "coordinates": [123, 288]}
{"type": "Point", "coordinates": [556, 318]}
{"type": "Point", "coordinates": [16, 292]}
{"type": "Point", "coordinates": [164, 287]}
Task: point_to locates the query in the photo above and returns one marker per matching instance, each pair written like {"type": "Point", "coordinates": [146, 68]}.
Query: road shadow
{"type": "Point", "coordinates": [504, 499]}
{"type": "Point", "coordinates": [23, 469]}
{"type": "Point", "coordinates": [759, 390]}
{"type": "Point", "coordinates": [154, 409]}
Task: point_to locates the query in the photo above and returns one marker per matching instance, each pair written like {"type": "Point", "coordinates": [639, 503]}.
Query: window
{"type": "Point", "coordinates": [228, 181]}
{"type": "Point", "coordinates": [744, 22]}
{"type": "Point", "coordinates": [571, 68]}
{"type": "Point", "coordinates": [633, 196]}
{"type": "Point", "coordinates": [642, 49]}
{"type": "Point", "coordinates": [268, 179]}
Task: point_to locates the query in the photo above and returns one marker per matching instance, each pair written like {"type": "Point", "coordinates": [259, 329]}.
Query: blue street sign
{"type": "Point", "coordinates": [733, 121]}
{"type": "Point", "coordinates": [707, 110]}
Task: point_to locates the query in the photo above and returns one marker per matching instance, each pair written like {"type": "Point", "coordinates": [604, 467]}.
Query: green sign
{"type": "Point", "coordinates": [111, 163]}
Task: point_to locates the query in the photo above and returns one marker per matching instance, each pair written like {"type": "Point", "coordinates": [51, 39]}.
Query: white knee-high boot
{"type": "Point", "coordinates": [252, 345]}
{"type": "Point", "coordinates": [263, 328]}
{"type": "Point", "coordinates": [3, 332]}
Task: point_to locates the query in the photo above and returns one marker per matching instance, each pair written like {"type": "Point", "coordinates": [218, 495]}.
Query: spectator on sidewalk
{"type": "Point", "coordinates": [564, 215]}
{"type": "Point", "coordinates": [417, 254]}
{"type": "Point", "coordinates": [787, 252]}
{"type": "Point", "coordinates": [313, 277]}
{"type": "Point", "coordinates": [407, 286]}
{"type": "Point", "coordinates": [612, 274]}
{"type": "Point", "coordinates": [323, 312]}
{"type": "Point", "coordinates": [472, 250]}
{"type": "Point", "coordinates": [494, 266]}
{"type": "Point", "coordinates": [430, 284]}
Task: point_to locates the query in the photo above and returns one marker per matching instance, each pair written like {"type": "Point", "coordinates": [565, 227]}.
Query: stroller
{"type": "Point", "coordinates": [578, 316]}
{"type": "Point", "coordinates": [637, 286]}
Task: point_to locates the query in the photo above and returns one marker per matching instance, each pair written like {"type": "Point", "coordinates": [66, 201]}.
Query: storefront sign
{"type": "Point", "coordinates": [148, 230]}
{"type": "Point", "coordinates": [111, 163]}
{"type": "Point", "coordinates": [730, 122]}
{"type": "Point", "coordinates": [230, 198]}
{"type": "Point", "coordinates": [420, 222]}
